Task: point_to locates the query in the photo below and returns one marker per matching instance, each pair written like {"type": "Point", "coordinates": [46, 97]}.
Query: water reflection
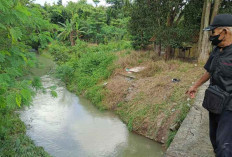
{"type": "Point", "coordinates": [71, 126]}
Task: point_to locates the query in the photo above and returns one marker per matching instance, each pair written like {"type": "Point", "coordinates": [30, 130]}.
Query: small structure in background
{"type": "Point", "coordinates": [183, 50]}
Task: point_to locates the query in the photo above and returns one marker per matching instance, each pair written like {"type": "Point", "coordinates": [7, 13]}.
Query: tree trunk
{"type": "Point", "coordinates": [168, 53]}
{"type": "Point", "coordinates": [216, 6]}
{"type": "Point", "coordinates": [142, 45]}
{"type": "Point", "coordinates": [201, 30]}
{"type": "Point", "coordinates": [168, 50]}
{"type": "Point", "coordinates": [72, 38]}
{"type": "Point", "coordinates": [205, 45]}
{"type": "Point", "coordinates": [157, 47]}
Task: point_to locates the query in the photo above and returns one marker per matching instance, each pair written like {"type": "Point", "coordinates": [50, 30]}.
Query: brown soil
{"type": "Point", "coordinates": [150, 103]}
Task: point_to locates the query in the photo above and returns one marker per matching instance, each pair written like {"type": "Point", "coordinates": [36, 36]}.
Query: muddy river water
{"type": "Point", "coordinates": [70, 126]}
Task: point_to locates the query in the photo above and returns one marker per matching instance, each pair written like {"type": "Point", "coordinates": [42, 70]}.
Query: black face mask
{"type": "Point", "coordinates": [215, 40]}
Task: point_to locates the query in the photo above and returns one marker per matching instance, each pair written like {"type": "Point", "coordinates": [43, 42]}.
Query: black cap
{"type": "Point", "coordinates": [221, 20]}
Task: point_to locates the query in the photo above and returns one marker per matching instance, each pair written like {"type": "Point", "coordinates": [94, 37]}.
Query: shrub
{"type": "Point", "coordinates": [65, 73]}
{"type": "Point", "coordinates": [95, 94]}
{"type": "Point", "coordinates": [92, 67]}
{"type": "Point", "coordinates": [60, 52]}
{"type": "Point", "coordinates": [86, 66]}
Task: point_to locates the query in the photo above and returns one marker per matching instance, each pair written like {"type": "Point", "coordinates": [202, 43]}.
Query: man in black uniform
{"type": "Point", "coordinates": [219, 71]}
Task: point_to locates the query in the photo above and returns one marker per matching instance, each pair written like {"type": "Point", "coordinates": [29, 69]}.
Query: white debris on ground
{"type": "Point", "coordinates": [135, 69]}
{"type": "Point", "coordinates": [104, 84]}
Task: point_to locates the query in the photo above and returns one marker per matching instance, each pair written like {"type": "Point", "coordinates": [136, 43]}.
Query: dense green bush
{"type": "Point", "coordinates": [92, 67]}
{"type": "Point", "coordinates": [112, 46]}
{"type": "Point", "coordinates": [13, 139]}
{"type": "Point", "coordinates": [84, 67]}
{"type": "Point", "coordinates": [65, 73]}
{"type": "Point", "coordinates": [18, 25]}
{"type": "Point", "coordinates": [60, 52]}
{"type": "Point", "coordinates": [95, 94]}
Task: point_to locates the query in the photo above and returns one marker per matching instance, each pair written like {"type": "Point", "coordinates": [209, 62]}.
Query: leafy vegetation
{"type": "Point", "coordinates": [83, 40]}
{"type": "Point", "coordinates": [13, 139]}
{"type": "Point", "coordinates": [16, 59]}
{"type": "Point", "coordinates": [84, 68]}
{"type": "Point", "coordinates": [170, 23]}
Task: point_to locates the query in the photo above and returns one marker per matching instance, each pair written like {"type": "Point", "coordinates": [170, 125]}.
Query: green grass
{"type": "Point", "coordinates": [86, 67]}
{"type": "Point", "coordinates": [183, 108]}
{"type": "Point", "coordinates": [171, 136]}
{"type": "Point", "coordinates": [130, 124]}
{"type": "Point", "coordinates": [95, 95]}
{"type": "Point", "coordinates": [13, 139]}
{"type": "Point", "coordinates": [92, 66]}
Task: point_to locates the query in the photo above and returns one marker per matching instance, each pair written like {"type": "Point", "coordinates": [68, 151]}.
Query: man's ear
{"type": "Point", "coordinates": [226, 30]}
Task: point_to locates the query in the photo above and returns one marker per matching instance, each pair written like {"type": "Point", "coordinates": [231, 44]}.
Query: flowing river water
{"type": "Point", "coordinates": [70, 126]}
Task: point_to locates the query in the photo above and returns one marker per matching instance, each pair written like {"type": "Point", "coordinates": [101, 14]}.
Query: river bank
{"type": "Point", "coordinates": [148, 102]}
{"type": "Point", "coordinates": [151, 102]}
{"type": "Point", "coordinates": [192, 138]}
{"type": "Point", "coordinates": [13, 138]}
{"type": "Point", "coordinates": [14, 141]}
{"type": "Point", "coordinates": [69, 126]}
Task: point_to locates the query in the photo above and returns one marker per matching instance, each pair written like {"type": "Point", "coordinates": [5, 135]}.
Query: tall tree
{"type": "Point", "coordinates": [207, 17]}
{"type": "Point", "coordinates": [168, 22]}
{"type": "Point", "coordinates": [17, 24]}
{"type": "Point", "coordinates": [216, 7]}
{"type": "Point", "coordinates": [204, 43]}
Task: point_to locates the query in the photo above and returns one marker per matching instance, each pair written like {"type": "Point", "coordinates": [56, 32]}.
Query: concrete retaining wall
{"type": "Point", "coordinates": [192, 138]}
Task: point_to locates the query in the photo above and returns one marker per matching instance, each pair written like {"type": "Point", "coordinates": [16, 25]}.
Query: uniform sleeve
{"type": "Point", "coordinates": [208, 63]}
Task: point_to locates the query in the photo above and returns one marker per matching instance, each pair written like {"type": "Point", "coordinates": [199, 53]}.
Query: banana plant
{"type": "Point", "coordinates": [71, 29]}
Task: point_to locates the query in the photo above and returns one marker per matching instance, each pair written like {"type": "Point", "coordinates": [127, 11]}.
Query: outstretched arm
{"type": "Point", "coordinates": [192, 90]}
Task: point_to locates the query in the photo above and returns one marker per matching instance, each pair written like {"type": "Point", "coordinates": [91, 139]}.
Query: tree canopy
{"type": "Point", "coordinates": [25, 26]}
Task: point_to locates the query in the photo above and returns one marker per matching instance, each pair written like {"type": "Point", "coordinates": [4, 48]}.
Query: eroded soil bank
{"type": "Point", "coordinates": [152, 102]}
{"type": "Point", "coordinates": [71, 126]}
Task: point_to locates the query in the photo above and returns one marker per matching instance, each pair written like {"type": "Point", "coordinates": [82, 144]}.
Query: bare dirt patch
{"type": "Point", "coordinates": [118, 89]}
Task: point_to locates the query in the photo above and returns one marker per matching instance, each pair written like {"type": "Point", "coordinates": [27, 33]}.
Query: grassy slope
{"type": "Point", "coordinates": [13, 138]}
{"type": "Point", "coordinates": [14, 141]}
{"type": "Point", "coordinates": [151, 103]}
